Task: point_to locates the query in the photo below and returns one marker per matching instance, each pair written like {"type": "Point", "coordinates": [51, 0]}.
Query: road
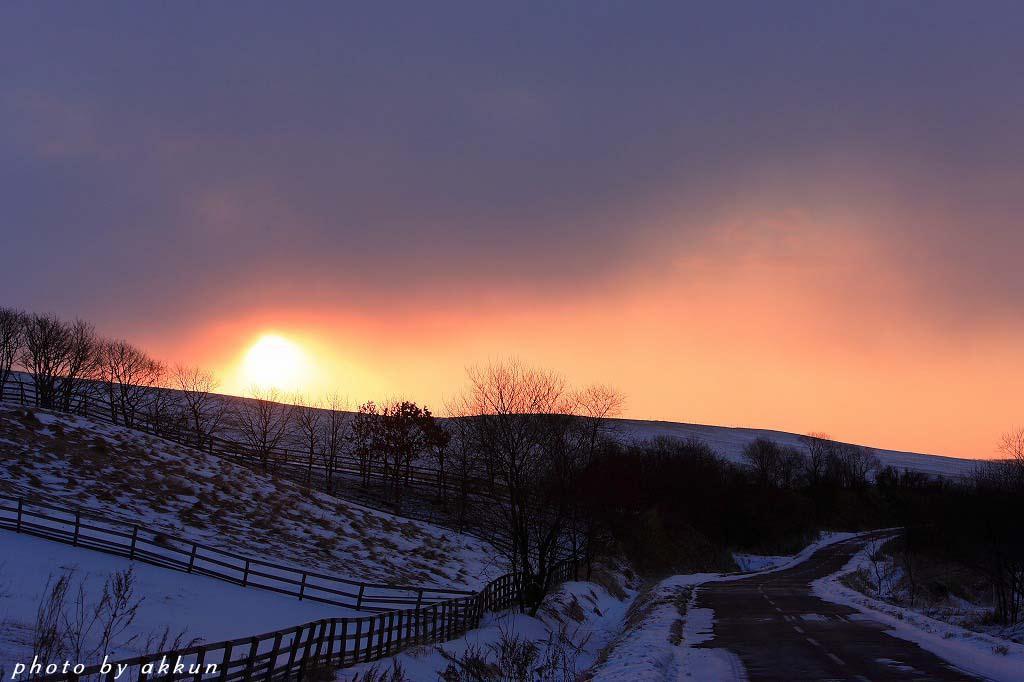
{"type": "Point", "coordinates": [781, 631]}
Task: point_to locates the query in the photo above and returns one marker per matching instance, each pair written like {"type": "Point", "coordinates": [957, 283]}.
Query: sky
{"type": "Point", "coordinates": [792, 215]}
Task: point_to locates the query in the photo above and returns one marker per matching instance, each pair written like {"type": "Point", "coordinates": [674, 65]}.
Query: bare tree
{"type": "Point", "coordinates": [820, 448]}
{"type": "Point", "coordinates": [763, 455]}
{"type": "Point", "coordinates": [129, 376]}
{"type": "Point", "coordinates": [365, 437]}
{"type": "Point", "coordinates": [309, 420]}
{"type": "Point", "coordinates": [83, 364]}
{"type": "Point", "coordinates": [204, 411]}
{"type": "Point", "coordinates": [46, 356]}
{"type": "Point", "coordinates": [860, 463]}
{"type": "Point", "coordinates": [596, 406]}
{"type": "Point", "coordinates": [1011, 447]}
{"type": "Point", "coordinates": [335, 436]}
{"type": "Point", "coordinates": [519, 420]}
{"type": "Point", "coordinates": [12, 329]}
{"type": "Point", "coordinates": [437, 440]}
{"type": "Point", "coordinates": [263, 420]}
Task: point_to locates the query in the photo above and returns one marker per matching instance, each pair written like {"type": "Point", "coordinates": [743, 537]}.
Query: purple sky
{"type": "Point", "coordinates": [175, 163]}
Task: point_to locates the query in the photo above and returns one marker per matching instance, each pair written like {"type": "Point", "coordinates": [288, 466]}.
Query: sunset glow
{"type": "Point", "coordinates": [809, 235]}
{"type": "Point", "coordinates": [274, 362]}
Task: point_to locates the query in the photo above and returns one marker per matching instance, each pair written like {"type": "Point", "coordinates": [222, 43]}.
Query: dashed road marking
{"type": "Point", "coordinates": [835, 658]}
{"type": "Point", "coordinates": [798, 629]}
{"type": "Point", "coordinates": [813, 641]}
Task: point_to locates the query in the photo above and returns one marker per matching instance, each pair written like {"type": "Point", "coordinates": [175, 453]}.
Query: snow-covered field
{"type": "Point", "coordinates": [584, 613]}
{"type": "Point", "coordinates": [213, 610]}
{"type": "Point", "coordinates": [981, 654]}
{"type": "Point", "coordinates": [729, 442]}
{"type": "Point", "coordinates": [127, 475]}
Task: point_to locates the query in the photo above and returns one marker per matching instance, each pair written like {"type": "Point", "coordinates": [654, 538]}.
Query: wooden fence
{"type": "Point", "coordinates": [405, 616]}
{"type": "Point", "coordinates": [294, 460]}
{"type": "Point", "coordinates": [292, 464]}
{"type": "Point", "coordinates": [137, 542]}
{"type": "Point", "coordinates": [308, 651]}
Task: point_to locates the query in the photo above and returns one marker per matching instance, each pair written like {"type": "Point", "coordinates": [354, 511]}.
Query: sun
{"type": "Point", "coordinates": [274, 362]}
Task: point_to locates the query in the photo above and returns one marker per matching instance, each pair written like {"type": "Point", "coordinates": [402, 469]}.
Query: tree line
{"type": "Point", "coordinates": [533, 465]}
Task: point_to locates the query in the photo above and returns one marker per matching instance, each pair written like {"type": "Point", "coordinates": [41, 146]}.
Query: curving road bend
{"type": "Point", "coordinates": [781, 631]}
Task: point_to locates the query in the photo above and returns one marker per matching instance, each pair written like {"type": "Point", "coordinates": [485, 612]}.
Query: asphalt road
{"type": "Point", "coordinates": [781, 631]}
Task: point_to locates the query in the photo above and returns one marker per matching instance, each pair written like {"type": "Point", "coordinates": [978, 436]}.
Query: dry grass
{"type": "Point", "coordinates": [179, 491]}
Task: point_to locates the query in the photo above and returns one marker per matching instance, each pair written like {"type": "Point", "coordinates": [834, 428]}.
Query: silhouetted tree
{"type": "Point", "coordinates": [129, 377]}
{"type": "Point", "coordinates": [58, 356]}
{"type": "Point", "coordinates": [12, 333]}
{"type": "Point", "coordinates": [263, 421]}
{"type": "Point", "coordinates": [366, 438]}
{"type": "Point", "coordinates": [203, 410]}
{"type": "Point", "coordinates": [335, 436]}
{"type": "Point", "coordinates": [308, 420]}
{"type": "Point", "coordinates": [518, 420]}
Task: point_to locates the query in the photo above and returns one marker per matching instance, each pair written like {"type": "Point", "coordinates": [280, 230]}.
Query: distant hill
{"type": "Point", "coordinates": [729, 442]}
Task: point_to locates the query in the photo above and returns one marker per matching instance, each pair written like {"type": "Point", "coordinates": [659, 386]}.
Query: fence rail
{"type": "Point", "coordinates": [403, 615]}
{"type": "Point", "coordinates": [282, 457]}
{"type": "Point", "coordinates": [137, 542]}
{"type": "Point", "coordinates": [303, 651]}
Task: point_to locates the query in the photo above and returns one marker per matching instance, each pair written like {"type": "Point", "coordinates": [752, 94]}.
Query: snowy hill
{"type": "Point", "coordinates": [128, 475]}
{"type": "Point", "coordinates": [729, 442]}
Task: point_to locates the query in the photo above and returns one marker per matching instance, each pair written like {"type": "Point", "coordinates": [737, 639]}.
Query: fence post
{"type": "Point", "coordinates": [359, 599]}
{"type": "Point", "coordinates": [227, 662]}
{"type": "Point", "coordinates": [343, 648]}
{"type": "Point", "coordinates": [394, 630]}
{"type": "Point", "coordinates": [20, 503]}
{"type": "Point", "coordinates": [305, 653]}
{"type": "Point", "coordinates": [135, 535]}
{"type": "Point", "coordinates": [200, 659]}
{"type": "Point", "coordinates": [359, 638]}
{"type": "Point", "coordinates": [302, 586]}
{"type": "Point", "coordinates": [369, 639]}
{"type": "Point", "coordinates": [253, 648]}
{"type": "Point", "coordinates": [380, 636]}
{"type": "Point", "coordinates": [272, 663]}
{"type": "Point", "coordinates": [192, 558]}
{"type": "Point", "coordinates": [78, 525]}
{"type": "Point", "coordinates": [330, 641]}
{"type": "Point", "coordinates": [245, 576]}
{"type": "Point", "coordinates": [293, 651]}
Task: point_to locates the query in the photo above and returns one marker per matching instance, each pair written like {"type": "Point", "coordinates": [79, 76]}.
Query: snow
{"type": "Point", "coordinates": [591, 629]}
{"type": "Point", "coordinates": [970, 651]}
{"type": "Point", "coordinates": [757, 563]}
{"type": "Point", "coordinates": [750, 563]}
{"type": "Point", "coordinates": [131, 476]}
{"type": "Point", "coordinates": [212, 609]}
{"type": "Point", "coordinates": [729, 442]}
{"type": "Point", "coordinates": [647, 651]}
{"type": "Point", "coordinates": [711, 663]}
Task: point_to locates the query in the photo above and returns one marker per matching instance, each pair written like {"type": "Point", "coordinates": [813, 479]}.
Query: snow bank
{"type": "Point", "coordinates": [213, 610]}
{"type": "Point", "coordinates": [662, 632]}
{"type": "Point", "coordinates": [663, 641]}
{"type": "Point", "coordinates": [970, 651]}
{"type": "Point", "coordinates": [588, 613]}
